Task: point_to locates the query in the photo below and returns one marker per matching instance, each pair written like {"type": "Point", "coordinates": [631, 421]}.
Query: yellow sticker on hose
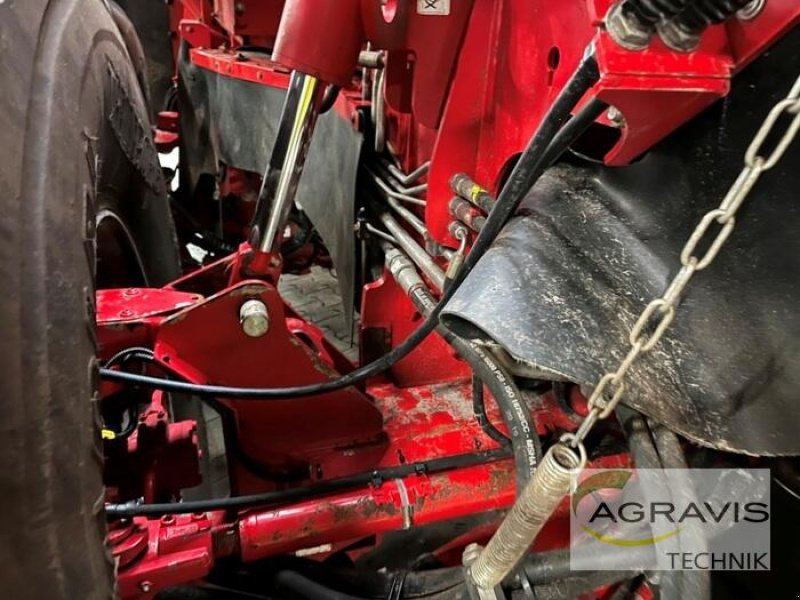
{"type": "Point", "coordinates": [475, 191]}
{"type": "Point", "coordinates": [107, 434]}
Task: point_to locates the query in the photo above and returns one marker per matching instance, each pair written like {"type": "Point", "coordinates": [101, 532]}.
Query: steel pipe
{"type": "Point", "coordinates": [410, 178]}
{"type": "Point", "coordinates": [390, 193]}
{"type": "Point", "coordinates": [416, 252]}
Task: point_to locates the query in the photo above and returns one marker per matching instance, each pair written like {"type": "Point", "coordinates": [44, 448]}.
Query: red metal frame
{"type": "Point", "coordinates": [464, 91]}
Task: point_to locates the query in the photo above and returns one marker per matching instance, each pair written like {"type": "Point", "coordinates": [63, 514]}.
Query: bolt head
{"type": "Point", "coordinates": [254, 318]}
{"type": "Point", "coordinates": [751, 10]}
{"type": "Point", "coordinates": [625, 31]}
{"type": "Point", "coordinates": [676, 38]}
{"type": "Point", "coordinates": [615, 116]}
{"type": "Point", "coordinates": [145, 586]}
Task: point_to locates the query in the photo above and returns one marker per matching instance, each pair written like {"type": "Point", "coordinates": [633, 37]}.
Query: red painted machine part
{"type": "Point", "coordinates": [387, 318]}
{"type": "Point", "coordinates": [359, 514]}
{"type": "Point", "coordinates": [467, 90]}
{"type": "Point", "coordinates": [195, 542]}
{"type": "Point", "coordinates": [320, 38]}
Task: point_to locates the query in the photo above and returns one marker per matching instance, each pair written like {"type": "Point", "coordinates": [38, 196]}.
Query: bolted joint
{"type": "Point", "coordinates": [254, 318]}
{"type": "Point", "coordinates": [627, 30]}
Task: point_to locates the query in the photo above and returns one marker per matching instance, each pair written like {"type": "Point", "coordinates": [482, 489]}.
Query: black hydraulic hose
{"type": "Point", "coordinates": [314, 490]}
{"type": "Point", "coordinates": [363, 582]}
{"type": "Point", "coordinates": [306, 588]}
{"type": "Point", "coordinates": [206, 592]}
{"type": "Point", "coordinates": [409, 585]}
{"type": "Point", "coordinates": [479, 410]}
{"type": "Point", "coordinates": [573, 128]}
{"type": "Point", "coordinates": [527, 171]}
{"type": "Point", "coordinates": [696, 583]}
{"type": "Point", "coordinates": [673, 583]}
{"type": "Point", "coordinates": [542, 568]}
{"type": "Point", "coordinates": [525, 442]}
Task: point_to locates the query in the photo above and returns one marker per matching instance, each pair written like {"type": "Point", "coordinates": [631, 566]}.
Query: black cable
{"type": "Point", "coordinates": [526, 172]}
{"type": "Point", "coordinates": [314, 490]}
{"type": "Point", "coordinates": [225, 413]}
{"type": "Point", "coordinates": [123, 356]}
{"type": "Point", "coordinates": [479, 410]}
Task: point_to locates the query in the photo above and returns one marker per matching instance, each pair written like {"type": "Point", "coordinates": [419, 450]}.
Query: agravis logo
{"type": "Point", "coordinates": [612, 479]}
{"type": "Point", "coordinates": [671, 518]}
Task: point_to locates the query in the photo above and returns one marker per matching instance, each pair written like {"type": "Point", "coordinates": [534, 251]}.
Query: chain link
{"type": "Point", "coordinates": [659, 314]}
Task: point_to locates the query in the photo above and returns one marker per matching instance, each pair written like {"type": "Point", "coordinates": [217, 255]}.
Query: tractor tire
{"type": "Point", "coordinates": [82, 200]}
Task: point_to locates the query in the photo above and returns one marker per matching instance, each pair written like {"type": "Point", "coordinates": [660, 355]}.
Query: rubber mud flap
{"type": "Point", "coordinates": [567, 278]}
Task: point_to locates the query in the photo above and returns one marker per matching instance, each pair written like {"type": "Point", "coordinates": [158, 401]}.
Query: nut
{"type": "Point", "coordinates": [628, 32]}
{"type": "Point", "coordinates": [254, 318]}
{"type": "Point", "coordinates": [676, 38]}
{"type": "Point", "coordinates": [751, 10]}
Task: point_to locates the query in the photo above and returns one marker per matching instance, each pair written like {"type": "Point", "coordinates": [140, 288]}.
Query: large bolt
{"type": "Point", "coordinates": [677, 38]}
{"type": "Point", "coordinates": [615, 116]}
{"type": "Point", "coordinates": [254, 318]}
{"type": "Point", "coordinates": [751, 10]}
{"type": "Point", "coordinates": [627, 30]}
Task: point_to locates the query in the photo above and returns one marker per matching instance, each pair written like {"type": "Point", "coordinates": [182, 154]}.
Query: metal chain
{"type": "Point", "coordinates": [659, 314]}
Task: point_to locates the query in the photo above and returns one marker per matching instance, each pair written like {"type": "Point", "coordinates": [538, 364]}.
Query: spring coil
{"type": "Point", "coordinates": [650, 12]}
{"type": "Point", "coordinates": [550, 483]}
{"type": "Point", "coordinates": [699, 14]}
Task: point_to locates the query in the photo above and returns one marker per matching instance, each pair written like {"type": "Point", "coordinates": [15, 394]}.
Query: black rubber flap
{"type": "Point", "coordinates": [566, 280]}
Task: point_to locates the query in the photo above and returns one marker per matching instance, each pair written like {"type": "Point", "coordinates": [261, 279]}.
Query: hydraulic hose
{"type": "Point", "coordinates": [695, 584]}
{"type": "Point", "coordinates": [479, 410]}
{"type": "Point", "coordinates": [527, 171]}
{"type": "Point", "coordinates": [524, 439]}
{"type": "Point", "coordinates": [309, 589]}
{"type": "Point", "coordinates": [314, 490]}
{"type": "Point", "coordinates": [525, 443]}
{"type": "Point", "coordinates": [659, 448]}
{"type": "Point", "coordinates": [573, 128]}
{"type": "Point", "coordinates": [645, 456]}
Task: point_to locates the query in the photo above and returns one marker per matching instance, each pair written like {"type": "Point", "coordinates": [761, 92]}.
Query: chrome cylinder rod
{"type": "Point", "coordinates": [278, 189]}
